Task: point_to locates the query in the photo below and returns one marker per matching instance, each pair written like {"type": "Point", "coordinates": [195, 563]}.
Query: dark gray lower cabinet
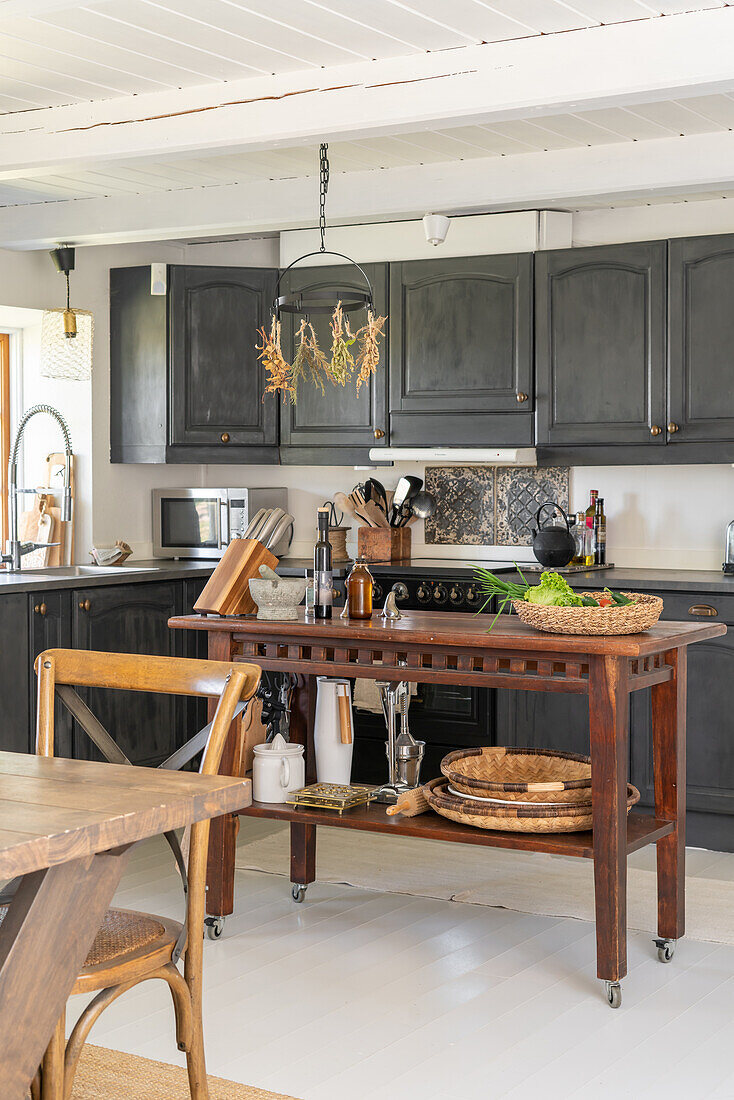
{"type": "Point", "coordinates": [132, 618]}
{"type": "Point", "coordinates": [543, 720]}
{"type": "Point", "coordinates": [50, 628]}
{"type": "Point", "coordinates": [710, 745]}
{"type": "Point", "coordinates": [15, 729]}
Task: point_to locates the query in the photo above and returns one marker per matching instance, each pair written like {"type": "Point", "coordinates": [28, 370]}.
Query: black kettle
{"type": "Point", "coordinates": [553, 545]}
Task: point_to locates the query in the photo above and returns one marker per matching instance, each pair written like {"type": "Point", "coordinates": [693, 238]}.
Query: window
{"type": "Point", "coordinates": [4, 431]}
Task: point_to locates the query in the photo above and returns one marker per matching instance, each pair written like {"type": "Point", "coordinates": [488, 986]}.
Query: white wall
{"type": "Point", "coordinates": [659, 515]}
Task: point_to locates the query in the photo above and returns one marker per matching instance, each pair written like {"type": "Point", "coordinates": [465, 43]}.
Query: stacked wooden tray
{"type": "Point", "coordinates": [516, 790]}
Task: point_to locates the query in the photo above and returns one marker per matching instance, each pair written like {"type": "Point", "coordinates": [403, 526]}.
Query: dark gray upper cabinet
{"type": "Point", "coordinates": [186, 384]}
{"type": "Point", "coordinates": [217, 381]}
{"type": "Point", "coordinates": [340, 424]}
{"type": "Point", "coordinates": [600, 345]}
{"type": "Point", "coordinates": [461, 351]}
{"type": "Point", "coordinates": [701, 339]}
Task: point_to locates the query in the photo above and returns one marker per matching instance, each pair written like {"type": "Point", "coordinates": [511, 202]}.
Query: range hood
{"type": "Point", "coordinates": [469, 456]}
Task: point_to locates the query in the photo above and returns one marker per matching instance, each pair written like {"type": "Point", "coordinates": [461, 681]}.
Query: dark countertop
{"type": "Point", "coordinates": [87, 576]}
{"type": "Point", "coordinates": [661, 580]}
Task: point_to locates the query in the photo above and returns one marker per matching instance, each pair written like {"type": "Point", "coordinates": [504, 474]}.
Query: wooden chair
{"type": "Point", "coordinates": [133, 947]}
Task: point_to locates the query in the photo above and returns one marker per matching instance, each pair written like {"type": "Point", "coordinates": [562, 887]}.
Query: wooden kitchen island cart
{"type": "Point", "coordinates": [429, 647]}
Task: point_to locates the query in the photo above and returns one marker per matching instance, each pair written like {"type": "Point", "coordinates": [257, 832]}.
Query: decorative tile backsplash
{"type": "Point", "coordinates": [519, 492]}
{"type": "Point", "coordinates": [491, 506]}
{"type": "Point", "coordinates": [465, 512]}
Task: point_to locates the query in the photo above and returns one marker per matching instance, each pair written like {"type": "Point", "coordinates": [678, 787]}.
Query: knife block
{"type": "Point", "coordinates": [227, 592]}
{"type": "Point", "coordinates": [384, 543]}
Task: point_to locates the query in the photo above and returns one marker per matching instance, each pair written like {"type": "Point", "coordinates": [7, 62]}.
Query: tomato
{"type": "Point", "coordinates": [605, 601]}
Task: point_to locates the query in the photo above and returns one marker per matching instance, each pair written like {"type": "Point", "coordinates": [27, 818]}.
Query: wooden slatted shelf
{"type": "Point", "coordinates": [642, 829]}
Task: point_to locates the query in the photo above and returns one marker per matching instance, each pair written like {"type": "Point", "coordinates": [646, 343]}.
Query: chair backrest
{"type": "Point", "coordinates": [61, 671]}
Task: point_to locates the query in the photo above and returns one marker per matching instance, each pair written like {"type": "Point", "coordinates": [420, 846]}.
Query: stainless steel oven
{"type": "Point", "coordinates": [200, 523]}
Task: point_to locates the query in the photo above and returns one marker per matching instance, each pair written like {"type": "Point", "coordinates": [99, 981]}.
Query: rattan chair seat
{"type": "Point", "coordinates": [121, 932]}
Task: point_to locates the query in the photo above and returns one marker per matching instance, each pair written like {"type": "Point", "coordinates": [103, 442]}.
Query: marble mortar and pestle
{"type": "Point", "coordinates": [277, 598]}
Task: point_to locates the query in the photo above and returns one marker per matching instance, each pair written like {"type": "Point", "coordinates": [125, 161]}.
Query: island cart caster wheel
{"type": "Point", "coordinates": [666, 948]}
{"type": "Point", "coordinates": [614, 993]}
{"type": "Point", "coordinates": [214, 927]}
{"type": "Point", "coordinates": [298, 892]}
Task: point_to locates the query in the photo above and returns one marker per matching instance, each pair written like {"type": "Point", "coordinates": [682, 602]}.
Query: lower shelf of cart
{"type": "Point", "coordinates": [642, 828]}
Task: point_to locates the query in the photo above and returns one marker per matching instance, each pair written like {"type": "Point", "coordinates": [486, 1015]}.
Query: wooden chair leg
{"type": "Point", "coordinates": [52, 1079]}
{"type": "Point", "coordinates": [181, 1004]}
{"type": "Point", "coordinates": [36, 1086]}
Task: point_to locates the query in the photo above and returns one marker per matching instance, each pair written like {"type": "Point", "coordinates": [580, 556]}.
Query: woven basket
{"type": "Point", "coordinates": [522, 775]}
{"type": "Point", "coordinates": [630, 619]}
{"type": "Point", "coordinates": [512, 818]}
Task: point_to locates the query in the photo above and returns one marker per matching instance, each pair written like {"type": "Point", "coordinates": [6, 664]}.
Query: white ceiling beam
{"type": "Point", "coordinates": [557, 179]}
{"type": "Point", "coordinates": [551, 74]}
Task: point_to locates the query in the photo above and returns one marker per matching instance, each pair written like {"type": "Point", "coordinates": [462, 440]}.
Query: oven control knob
{"type": "Point", "coordinates": [440, 595]}
{"type": "Point", "coordinates": [473, 598]}
{"type": "Point", "coordinates": [455, 594]}
{"type": "Point", "coordinates": [377, 592]}
{"type": "Point", "coordinates": [423, 593]}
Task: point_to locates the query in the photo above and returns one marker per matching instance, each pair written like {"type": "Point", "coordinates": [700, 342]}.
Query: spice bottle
{"type": "Point", "coordinates": [359, 591]}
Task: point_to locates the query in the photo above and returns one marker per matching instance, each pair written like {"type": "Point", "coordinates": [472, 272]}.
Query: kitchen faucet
{"type": "Point", "coordinates": [16, 548]}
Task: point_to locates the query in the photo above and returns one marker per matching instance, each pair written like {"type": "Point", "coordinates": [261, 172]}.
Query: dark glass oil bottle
{"type": "Point", "coordinates": [322, 573]}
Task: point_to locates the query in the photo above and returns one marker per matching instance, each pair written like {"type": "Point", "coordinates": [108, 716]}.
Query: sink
{"type": "Point", "coordinates": [77, 571]}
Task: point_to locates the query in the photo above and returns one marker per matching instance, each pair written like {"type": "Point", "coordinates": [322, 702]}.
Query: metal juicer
{"type": "Point", "coordinates": [404, 753]}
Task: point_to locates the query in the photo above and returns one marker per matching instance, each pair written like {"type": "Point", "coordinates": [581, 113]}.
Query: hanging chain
{"type": "Point", "coordinates": [323, 189]}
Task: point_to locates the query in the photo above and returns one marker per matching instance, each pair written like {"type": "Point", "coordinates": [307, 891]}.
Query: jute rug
{"type": "Point", "coordinates": [530, 882]}
{"type": "Point", "coordinates": [110, 1075]}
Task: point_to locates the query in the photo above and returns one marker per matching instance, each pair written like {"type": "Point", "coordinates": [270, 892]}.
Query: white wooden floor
{"type": "Point", "coordinates": [366, 995]}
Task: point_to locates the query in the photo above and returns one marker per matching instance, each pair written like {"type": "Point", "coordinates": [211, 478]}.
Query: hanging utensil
{"type": "Point", "coordinates": [422, 506]}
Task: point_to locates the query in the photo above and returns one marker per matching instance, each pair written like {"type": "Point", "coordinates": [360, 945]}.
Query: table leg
{"type": "Point", "coordinates": [669, 764]}
{"type": "Point", "coordinates": [223, 830]}
{"type": "Point", "coordinates": [45, 938]}
{"type": "Point", "coordinates": [303, 713]}
{"type": "Point", "coordinates": [609, 734]}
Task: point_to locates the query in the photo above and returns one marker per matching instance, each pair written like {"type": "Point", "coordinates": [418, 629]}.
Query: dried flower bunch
{"type": "Point", "coordinates": [311, 365]}
{"type": "Point", "coordinates": [279, 373]}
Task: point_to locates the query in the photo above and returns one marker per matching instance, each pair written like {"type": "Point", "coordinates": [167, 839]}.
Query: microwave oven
{"type": "Point", "coordinates": [200, 523]}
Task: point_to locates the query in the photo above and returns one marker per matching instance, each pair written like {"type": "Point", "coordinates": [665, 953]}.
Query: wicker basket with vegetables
{"type": "Point", "coordinates": [553, 606]}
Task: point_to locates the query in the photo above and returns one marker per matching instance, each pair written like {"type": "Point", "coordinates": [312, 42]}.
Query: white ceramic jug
{"type": "Point", "coordinates": [333, 730]}
{"type": "Point", "coordinates": [277, 769]}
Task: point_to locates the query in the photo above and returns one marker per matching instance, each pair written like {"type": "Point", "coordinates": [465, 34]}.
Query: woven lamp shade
{"type": "Point", "coordinates": [62, 357]}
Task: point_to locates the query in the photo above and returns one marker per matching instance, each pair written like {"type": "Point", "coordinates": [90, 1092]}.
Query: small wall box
{"type": "Point", "coordinates": [384, 543]}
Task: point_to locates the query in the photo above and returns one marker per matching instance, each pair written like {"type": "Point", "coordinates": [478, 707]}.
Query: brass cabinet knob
{"type": "Point", "coordinates": [379, 434]}
{"type": "Point", "coordinates": [704, 609]}
{"type": "Point", "coordinates": [521, 397]}
{"type": "Point", "coordinates": [655, 430]}
{"type": "Point", "coordinates": [40, 609]}
{"type": "Point", "coordinates": [224, 437]}
{"type": "Point", "coordinates": [672, 427]}
{"type": "Point", "coordinates": [84, 605]}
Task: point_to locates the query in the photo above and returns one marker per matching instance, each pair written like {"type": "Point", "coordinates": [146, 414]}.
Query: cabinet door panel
{"type": "Point", "coordinates": [600, 351]}
{"type": "Point", "coordinates": [460, 350]}
{"type": "Point", "coordinates": [710, 747]}
{"type": "Point", "coordinates": [340, 417]}
{"type": "Point", "coordinates": [50, 628]}
{"type": "Point", "coordinates": [543, 720]}
{"type": "Point", "coordinates": [131, 618]}
{"type": "Point", "coordinates": [16, 733]}
{"type": "Point", "coordinates": [217, 382]}
{"type": "Point", "coordinates": [701, 335]}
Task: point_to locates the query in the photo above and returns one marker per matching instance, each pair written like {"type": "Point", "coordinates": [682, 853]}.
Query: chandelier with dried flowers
{"type": "Point", "coordinates": [354, 354]}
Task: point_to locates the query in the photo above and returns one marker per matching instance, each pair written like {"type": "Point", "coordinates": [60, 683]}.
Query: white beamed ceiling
{"type": "Point", "coordinates": [55, 54]}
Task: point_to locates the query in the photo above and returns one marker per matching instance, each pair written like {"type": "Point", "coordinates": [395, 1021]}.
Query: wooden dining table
{"type": "Point", "coordinates": [66, 827]}
{"type": "Point", "coordinates": [454, 648]}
